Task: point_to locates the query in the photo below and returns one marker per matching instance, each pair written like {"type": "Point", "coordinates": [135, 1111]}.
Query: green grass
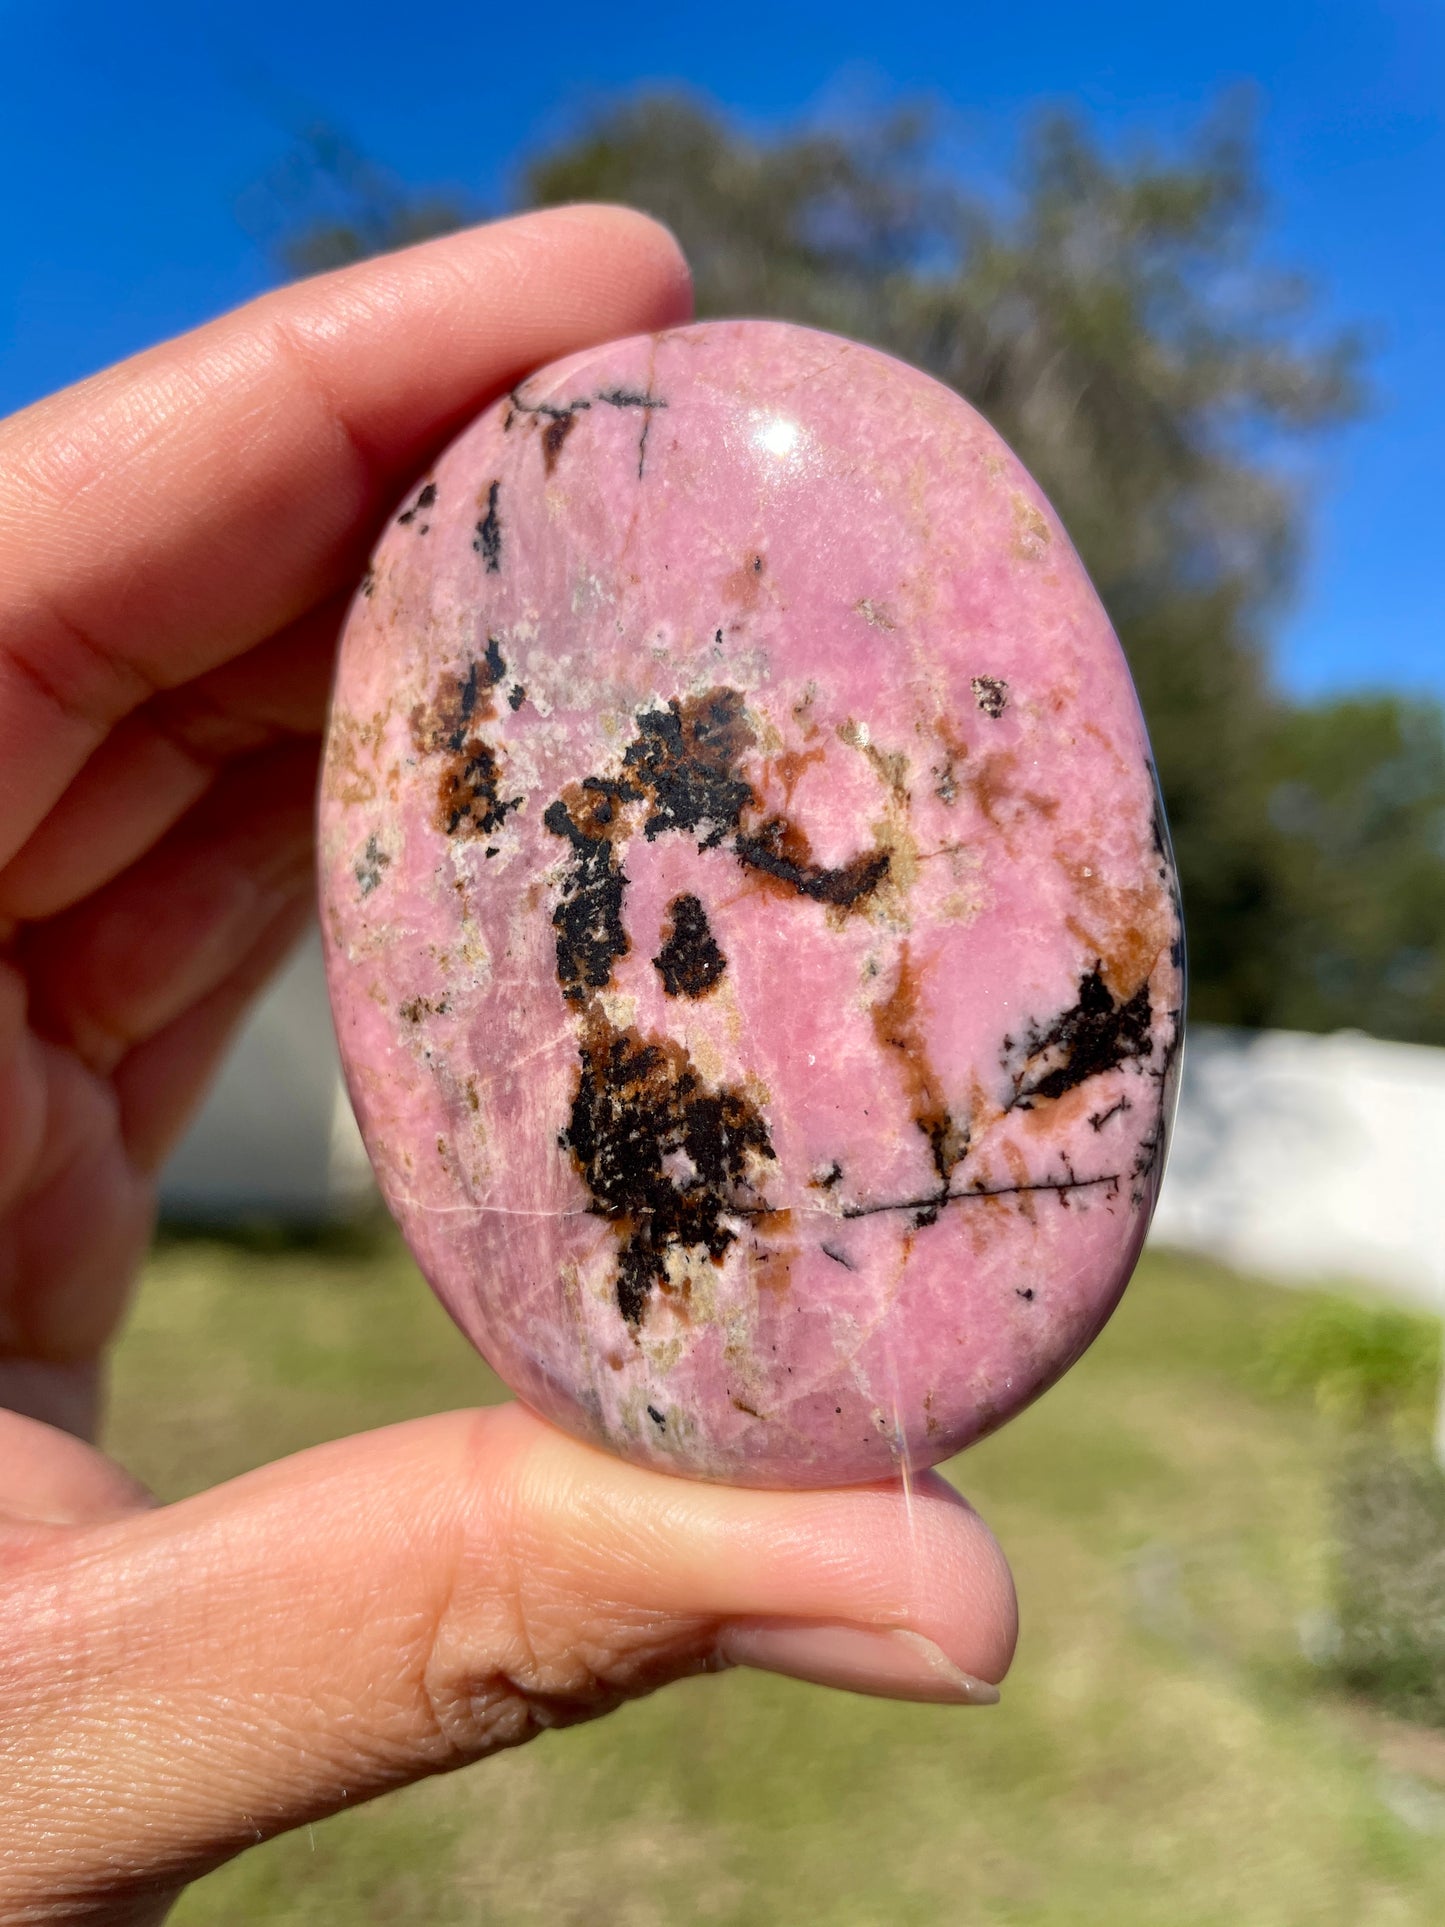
{"type": "Point", "coordinates": [1163, 1753]}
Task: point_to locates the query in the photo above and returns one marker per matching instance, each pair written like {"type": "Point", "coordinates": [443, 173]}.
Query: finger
{"type": "Point", "coordinates": [49, 1478]}
{"type": "Point", "coordinates": [69, 1247]}
{"type": "Point", "coordinates": [160, 1082]}
{"type": "Point", "coordinates": [139, 782]}
{"type": "Point", "coordinates": [394, 1605]}
{"type": "Point", "coordinates": [70, 1244]}
{"type": "Point", "coordinates": [22, 1089]}
{"type": "Point", "coordinates": [65, 1398]}
{"type": "Point", "coordinates": [130, 960]}
{"type": "Point", "coordinates": [161, 760]}
{"type": "Point", "coordinates": [163, 517]}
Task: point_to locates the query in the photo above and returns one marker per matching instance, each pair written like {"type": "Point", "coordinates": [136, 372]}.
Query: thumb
{"type": "Point", "coordinates": [184, 1682]}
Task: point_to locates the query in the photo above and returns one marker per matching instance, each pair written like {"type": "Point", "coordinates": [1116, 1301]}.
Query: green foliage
{"type": "Point", "coordinates": [327, 205]}
{"type": "Point", "coordinates": [1114, 317]}
{"type": "Point", "coordinates": [1358, 1362]}
{"type": "Point", "coordinates": [1390, 1581]}
{"type": "Point", "coordinates": [1356, 805]}
{"type": "Point", "coordinates": [1376, 1369]}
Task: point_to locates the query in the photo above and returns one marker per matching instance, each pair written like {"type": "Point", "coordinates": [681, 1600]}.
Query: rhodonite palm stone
{"type": "Point", "coordinates": [751, 929]}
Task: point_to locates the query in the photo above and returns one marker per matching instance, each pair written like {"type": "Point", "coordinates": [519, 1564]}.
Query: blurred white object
{"type": "Point", "coordinates": [275, 1139]}
{"type": "Point", "coordinates": [1312, 1160]}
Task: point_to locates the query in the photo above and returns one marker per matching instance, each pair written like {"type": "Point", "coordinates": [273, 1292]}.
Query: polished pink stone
{"type": "Point", "coordinates": [751, 929]}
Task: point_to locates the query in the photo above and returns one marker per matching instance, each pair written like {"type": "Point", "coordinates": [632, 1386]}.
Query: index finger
{"type": "Point", "coordinates": [164, 516]}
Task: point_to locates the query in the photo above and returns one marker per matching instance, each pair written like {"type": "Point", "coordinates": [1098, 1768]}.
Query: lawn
{"type": "Point", "coordinates": [1166, 1750]}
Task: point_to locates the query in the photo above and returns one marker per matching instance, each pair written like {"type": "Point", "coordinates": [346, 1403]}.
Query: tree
{"type": "Point", "coordinates": [327, 205]}
{"type": "Point", "coordinates": [1356, 799]}
{"type": "Point", "coordinates": [1113, 319]}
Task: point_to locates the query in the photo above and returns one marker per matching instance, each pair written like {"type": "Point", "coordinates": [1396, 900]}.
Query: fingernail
{"type": "Point", "coordinates": [889, 1663]}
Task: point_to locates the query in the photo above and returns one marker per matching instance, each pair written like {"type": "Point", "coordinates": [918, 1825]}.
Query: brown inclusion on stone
{"type": "Point", "coordinates": [897, 1026]}
{"type": "Point", "coordinates": [993, 782]}
{"type": "Point", "coordinates": [469, 799]}
{"type": "Point", "coordinates": [554, 435]}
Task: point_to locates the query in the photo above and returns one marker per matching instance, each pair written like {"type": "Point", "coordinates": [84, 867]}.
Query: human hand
{"type": "Point", "coordinates": [178, 540]}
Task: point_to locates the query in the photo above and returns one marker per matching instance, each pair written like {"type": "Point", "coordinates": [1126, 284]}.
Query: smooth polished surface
{"type": "Point", "coordinates": [750, 925]}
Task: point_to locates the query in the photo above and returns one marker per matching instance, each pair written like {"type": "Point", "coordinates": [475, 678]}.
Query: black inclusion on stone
{"type": "Point", "coordinates": [630, 398]}
{"type": "Point", "coordinates": [588, 920]}
{"type": "Point", "coordinates": [685, 757]}
{"type": "Point", "coordinates": [423, 501]}
{"type": "Point", "coordinates": [1095, 1035]}
{"type": "Point", "coordinates": [369, 866]}
{"type": "Point", "coordinates": [488, 539]}
{"type": "Point", "coordinates": [689, 962]}
{"type": "Point", "coordinates": [665, 1156]}
{"type": "Point", "coordinates": [667, 1159]}
{"type": "Point", "coordinates": [466, 704]}
{"type": "Point", "coordinates": [991, 695]}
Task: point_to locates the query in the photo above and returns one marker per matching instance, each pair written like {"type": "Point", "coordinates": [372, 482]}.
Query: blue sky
{"type": "Point", "coordinates": [128, 135]}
